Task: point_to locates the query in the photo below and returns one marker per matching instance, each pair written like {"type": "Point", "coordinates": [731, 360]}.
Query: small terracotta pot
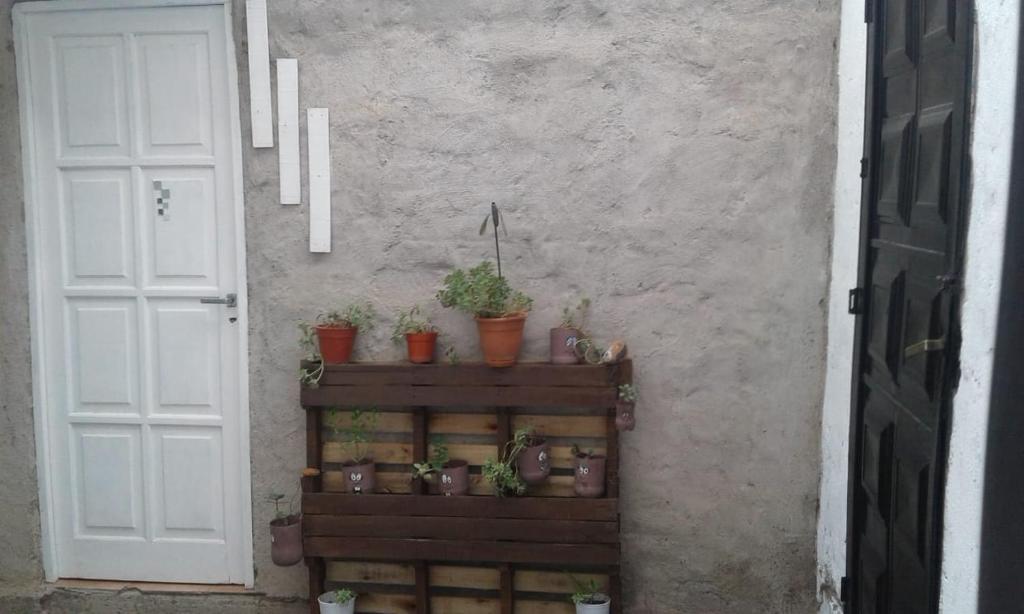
{"type": "Point", "coordinates": [500, 339]}
{"type": "Point", "coordinates": [563, 346]}
{"type": "Point", "coordinates": [603, 607]}
{"type": "Point", "coordinates": [286, 540]}
{"type": "Point", "coordinates": [360, 478]}
{"type": "Point", "coordinates": [336, 343]}
{"type": "Point", "coordinates": [421, 347]}
{"type": "Point", "coordinates": [625, 418]}
{"type": "Point", "coordinates": [589, 475]}
{"type": "Point", "coordinates": [534, 462]}
{"type": "Point", "coordinates": [454, 478]}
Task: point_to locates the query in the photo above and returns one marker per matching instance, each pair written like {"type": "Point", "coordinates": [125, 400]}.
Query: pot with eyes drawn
{"type": "Point", "coordinates": [588, 473]}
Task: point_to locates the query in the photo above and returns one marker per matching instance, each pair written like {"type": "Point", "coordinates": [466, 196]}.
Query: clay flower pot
{"type": "Point", "coordinates": [286, 540]}
{"type": "Point", "coordinates": [625, 418]}
{"type": "Point", "coordinates": [336, 343]}
{"type": "Point", "coordinates": [588, 472]}
{"type": "Point", "coordinates": [563, 346]}
{"type": "Point", "coordinates": [359, 478]}
{"type": "Point", "coordinates": [421, 347]}
{"type": "Point", "coordinates": [534, 462]}
{"type": "Point", "coordinates": [603, 605]}
{"type": "Point", "coordinates": [329, 606]}
{"type": "Point", "coordinates": [454, 478]}
{"type": "Point", "coordinates": [500, 339]}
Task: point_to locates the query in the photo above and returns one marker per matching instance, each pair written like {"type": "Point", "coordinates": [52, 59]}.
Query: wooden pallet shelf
{"type": "Point", "coordinates": [406, 551]}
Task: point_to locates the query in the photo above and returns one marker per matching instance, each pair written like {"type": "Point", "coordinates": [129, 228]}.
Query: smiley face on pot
{"type": "Point", "coordinates": [542, 458]}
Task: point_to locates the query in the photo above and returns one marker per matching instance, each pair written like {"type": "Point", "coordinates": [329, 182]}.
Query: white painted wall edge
{"type": "Point", "coordinates": [991, 157]}
{"type": "Point", "coordinates": [835, 420]}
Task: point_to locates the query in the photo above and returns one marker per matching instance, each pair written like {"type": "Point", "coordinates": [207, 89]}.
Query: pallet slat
{"type": "Point", "coordinates": [387, 397]}
{"type": "Point", "coordinates": [490, 529]}
{"type": "Point", "coordinates": [470, 374]}
{"type": "Point", "coordinates": [373, 548]}
{"type": "Point", "coordinates": [472, 507]}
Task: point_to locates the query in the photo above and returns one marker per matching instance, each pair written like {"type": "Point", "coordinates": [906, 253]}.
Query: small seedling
{"type": "Point", "coordinates": [576, 451]}
{"type": "Point", "coordinates": [343, 595]}
{"type": "Point", "coordinates": [627, 393]}
{"type": "Point", "coordinates": [355, 440]}
{"type": "Point", "coordinates": [278, 499]}
{"type": "Point", "coordinates": [411, 321]}
{"type": "Point", "coordinates": [436, 463]}
{"type": "Point", "coordinates": [588, 592]}
{"type": "Point", "coordinates": [575, 317]}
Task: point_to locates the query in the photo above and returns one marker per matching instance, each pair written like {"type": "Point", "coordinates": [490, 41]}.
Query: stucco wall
{"type": "Point", "coordinates": [673, 162]}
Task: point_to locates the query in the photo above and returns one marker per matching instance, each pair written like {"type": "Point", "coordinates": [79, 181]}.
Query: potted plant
{"type": "Point", "coordinates": [588, 598]}
{"type": "Point", "coordinates": [588, 472]}
{"type": "Point", "coordinates": [499, 310]}
{"type": "Point", "coordinates": [313, 368]}
{"type": "Point", "coordinates": [565, 336]}
{"type": "Point", "coordinates": [336, 331]}
{"type": "Point", "coordinates": [358, 468]}
{"type": "Point", "coordinates": [534, 459]}
{"type": "Point", "coordinates": [341, 601]}
{"type": "Point", "coordinates": [419, 334]}
{"type": "Point", "coordinates": [445, 476]}
{"type": "Point", "coordinates": [285, 534]}
{"type": "Point", "coordinates": [524, 461]}
{"type": "Point", "coordinates": [625, 418]}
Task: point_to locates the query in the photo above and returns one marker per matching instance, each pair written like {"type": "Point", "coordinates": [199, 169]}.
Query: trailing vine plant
{"type": "Point", "coordinates": [503, 472]}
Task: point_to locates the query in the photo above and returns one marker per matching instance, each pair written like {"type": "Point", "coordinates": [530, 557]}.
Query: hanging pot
{"type": "Point", "coordinates": [286, 540]}
{"type": "Point", "coordinates": [588, 475]}
{"type": "Point", "coordinates": [563, 346]}
{"type": "Point", "coordinates": [454, 478]}
{"type": "Point", "coordinates": [625, 418]}
{"type": "Point", "coordinates": [500, 339]}
{"type": "Point", "coordinates": [534, 462]}
{"type": "Point", "coordinates": [336, 343]}
{"type": "Point", "coordinates": [360, 478]}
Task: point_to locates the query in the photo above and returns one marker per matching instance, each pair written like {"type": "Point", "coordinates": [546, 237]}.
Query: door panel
{"type": "Point", "coordinates": [910, 261]}
{"type": "Point", "coordinates": [133, 145]}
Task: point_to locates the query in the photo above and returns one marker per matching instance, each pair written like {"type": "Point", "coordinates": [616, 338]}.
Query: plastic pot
{"type": "Point", "coordinates": [359, 478]}
{"type": "Point", "coordinates": [336, 343]}
{"type": "Point", "coordinates": [625, 418]}
{"type": "Point", "coordinates": [588, 475]}
{"type": "Point", "coordinates": [420, 347]}
{"type": "Point", "coordinates": [454, 478]}
{"type": "Point", "coordinates": [286, 540]}
{"type": "Point", "coordinates": [604, 607]}
{"type": "Point", "coordinates": [500, 339]}
{"type": "Point", "coordinates": [563, 346]}
{"type": "Point", "coordinates": [534, 462]}
{"type": "Point", "coordinates": [329, 606]}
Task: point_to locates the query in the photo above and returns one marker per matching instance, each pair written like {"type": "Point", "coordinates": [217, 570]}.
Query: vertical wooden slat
{"type": "Point", "coordinates": [422, 589]}
{"type": "Point", "coordinates": [314, 448]}
{"type": "Point", "coordinates": [504, 428]}
{"type": "Point", "coordinates": [615, 590]}
{"type": "Point", "coordinates": [507, 589]}
{"type": "Point", "coordinates": [259, 73]}
{"type": "Point", "coordinates": [419, 445]}
{"type": "Point", "coordinates": [318, 142]}
{"type": "Point", "coordinates": [612, 453]}
{"type": "Point", "coordinates": [317, 576]}
{"type": "Point", "coordinates": [289, 171]}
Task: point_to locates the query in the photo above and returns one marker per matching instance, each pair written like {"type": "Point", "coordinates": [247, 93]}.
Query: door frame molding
{"type": "Point", "coordinates": [36, 271]}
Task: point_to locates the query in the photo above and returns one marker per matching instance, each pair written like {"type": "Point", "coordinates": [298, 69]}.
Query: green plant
{"type": "Point", "coordinates": [627, 393]}
{"type": "Point", "coordinates": [276, 499]}
{"type": "Point", "coordinates": [576, 451]}
{"type": "Point", "coordinates": [481, 293]}
{"type": "Point", "coordinates": [343, 595]}
{"type": "Point", "coordinates": [503, 473]}
{"type": "Point", "coordinates": [411, 321]}
{"type": "Point", "coordinates": [311, 373]}
{"type": "Point", "coordinates": [575, 317]}
{"type": "Point", "coordinates": [356, 438]}
{"type": "Point", "coordinates": [587, 592]}
{"type": "Point", "coordinates": [436, 462]}
{"type": "Point", "coordinates": [356, 315]}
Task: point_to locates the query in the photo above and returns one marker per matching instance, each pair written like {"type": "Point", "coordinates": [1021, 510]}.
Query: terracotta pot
{"type": "Point", "coordinates": [454, 478]}
{"type": "Point", "coordinates": [534, 462]}
{"type": "Point", "coordinates": [595, 608]}
{"type": "Point", "coordinates": [329, 606]}
{"type": "Point", "coordinates": [286, 540]}
{"type": "Point", "coordinates": [589, 475]}
{"type": "Point", "coordinates": [336, 343]}
{"type": "Point", "coordinates": [500, 339]}
{"type": "Point", "coordinates": [563, 346]}
{"type": "Point", "coordinates": [421, 347]}
{"type": "Point", "coordinates": [625, 418]}
{"type": "Point", "coordinates": [359, 478]}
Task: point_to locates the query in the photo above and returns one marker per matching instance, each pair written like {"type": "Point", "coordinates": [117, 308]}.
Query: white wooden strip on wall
{"type": "Point", "coordinates": [318, 139]}
{"type": "Point", "coordinates": [288, 131]}
{"type": "Point", "coordinates": [259, 73]}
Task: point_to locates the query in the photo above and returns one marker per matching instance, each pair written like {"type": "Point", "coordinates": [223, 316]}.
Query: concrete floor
{"type": "Point", "coordinates": [131, 601]}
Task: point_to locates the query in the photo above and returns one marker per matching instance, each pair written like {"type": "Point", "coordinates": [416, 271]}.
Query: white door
{"type": "Point", "coordinates": [133, 215]}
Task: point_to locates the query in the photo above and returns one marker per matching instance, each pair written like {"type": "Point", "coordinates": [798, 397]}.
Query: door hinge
{"type": "Point", "coordinates": [844, 590]}
{"type": "Point", "coordinates": [856, 301]}
{"type": "Point", "coordinates": [863, 168]}
{"type": "Point", "coordinates": [869, 11]}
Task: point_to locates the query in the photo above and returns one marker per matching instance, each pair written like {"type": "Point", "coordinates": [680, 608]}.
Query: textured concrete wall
{"type": "Point", "coordinates": [674, 163]}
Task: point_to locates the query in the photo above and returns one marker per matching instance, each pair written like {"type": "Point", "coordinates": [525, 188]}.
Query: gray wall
{"type": "Point", "coordinates": [674, 164]}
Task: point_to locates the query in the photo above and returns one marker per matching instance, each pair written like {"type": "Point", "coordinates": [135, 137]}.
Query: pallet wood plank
{"type": "Point", "coordinates": [422, 589]}
{"type": "Point", "coordinates": [288, 165]}
{"type": "Point", "coordinates": [387, 422]}
{"type": "Point", "coordinates": [471, 507]}
{"type": "Point", "coordinates": [318, 145]}
{"type": "Point", "coordinates": [387, 549]}
{"type": "Point", "coordinates": [507, 590]}
{"type": "Point", "coordinates": [386, 604]}
{"type": "Point", "coordinates": [497, 396]}
{"type": "Point", "coordinates": [261, 110]}
{"type": "Point", "coordinates": [536, 581]}
{"type": "Point", "coordinates": [464, 605]}
{"type": "Point", "coordinates": [470, 374]}
{"type": "Point", "coordinates": [370, 573]}
{"type": "Point", "coordinates": [460, 576]}
{"type": "Point", "coordinates": [489, 529]}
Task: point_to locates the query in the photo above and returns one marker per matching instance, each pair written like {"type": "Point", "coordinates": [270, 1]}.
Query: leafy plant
{"type": "Point", "coordinates": [310, 375]}
{"type": "Point", "coordinates": [503, 472]}
{"type": "Point", "coordinates": [627, 393]}
{"type": "Point", "coordinates": [356, 438]}
{"type": "Point", "coordinates": [411, 321]}
{"type": "Point", "coordinates": [356, 315]}
{"type": "Point", "coordinates": [576, 451]}
{"type": "Point", "coordinates": [480, 292]}
{"type": "Point", "coordinates": [277, 499]}
{"type": "Point", "coordinates": [343, 595]}
{"type": "Point", "coordinates": [587, 592]}
{"type": "Point", "coordinates": [436, 462]}
{"type": "Point", "coordinates": [575, 317]}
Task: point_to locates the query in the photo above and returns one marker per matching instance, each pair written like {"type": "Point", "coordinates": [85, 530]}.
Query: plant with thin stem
{"type": "Point", "coordinates": [496, 220]}
{"type": "Point", "coordinates": [575, 317]}
{"type": "Point", "coordinates": [435, 464]}
{"type": "Point", "coordinates": [503, 472]}
{"type": "Point", "coordinates": [356, 315]}
{"type": "Point", "coordinates": [355, 440]}
{"type": "Point", "coordinates": [277, 499]}
{"type": "Point", "coordinates": [576, 451]}
{"type": "Point", "coordinates": [313, 370]}
{"type": "Point", "coordinates": [627, 393]}
{"type": "Point", "coordinates": [411, 321]}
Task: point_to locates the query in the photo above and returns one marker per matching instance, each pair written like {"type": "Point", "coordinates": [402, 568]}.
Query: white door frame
{"type": "Point", "coordinates": [36, 270]}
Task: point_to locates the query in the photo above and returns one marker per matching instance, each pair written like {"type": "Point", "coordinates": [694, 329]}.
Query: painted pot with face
{"type": "Point", "coordinates": [453, 479]}
{"type": "Point", "coordinates": [589, 472]}
{"type": "Point", "coordinates": [534, 462]}
{"type": "Point", "coordinates": [563, 346]}
{"type": "Point", "coordinates": [625, 418]}
{"type": "Point", "coordinates": [360, 477]}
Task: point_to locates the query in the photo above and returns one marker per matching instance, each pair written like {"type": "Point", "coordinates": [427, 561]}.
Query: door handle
{"type": "Point", "coordinates": [927, 345]}
{"type": "Point", "coordinates": [231, 300]}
